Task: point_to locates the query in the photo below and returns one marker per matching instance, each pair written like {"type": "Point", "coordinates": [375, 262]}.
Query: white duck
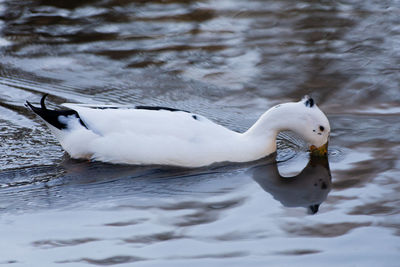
{"type": "Point", "coordinates": [165, 136]}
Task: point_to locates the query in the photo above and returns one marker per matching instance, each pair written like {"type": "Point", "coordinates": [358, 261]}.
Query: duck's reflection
{"type": "Point", "coordinates": [307, 189]}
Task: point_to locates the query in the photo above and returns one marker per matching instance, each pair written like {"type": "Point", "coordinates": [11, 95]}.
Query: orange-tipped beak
{"type": "Point", "coordinates": [321, 151]}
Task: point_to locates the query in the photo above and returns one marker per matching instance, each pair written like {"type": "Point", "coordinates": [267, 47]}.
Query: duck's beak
{"type": "Point", "coordinates": [321, 151]}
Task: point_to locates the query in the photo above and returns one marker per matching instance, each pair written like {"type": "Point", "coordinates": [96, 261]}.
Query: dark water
{"type": "Point", "coordinates": [227, 60]}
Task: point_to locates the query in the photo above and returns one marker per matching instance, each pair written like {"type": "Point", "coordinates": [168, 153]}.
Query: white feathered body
{"type": "Point", "coordinates": [140, 136]}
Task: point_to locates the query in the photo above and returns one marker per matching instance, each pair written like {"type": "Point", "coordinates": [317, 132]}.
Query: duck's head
{"type": "Point", "coordinates": [303, 117]}
{"type": "Point", "coordinates": [313, 126]}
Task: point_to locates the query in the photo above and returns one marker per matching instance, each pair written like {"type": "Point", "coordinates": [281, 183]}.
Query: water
{"type": "Point", "coordinates": [227, 60]}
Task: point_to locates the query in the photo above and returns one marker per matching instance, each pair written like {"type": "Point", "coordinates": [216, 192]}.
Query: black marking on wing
{"type": "Point", "coordinates": [104, 107]}
{"type": "Point", "coordinates": [313, 208]}
{"type": "Point", "coordinates": [160, 108]}
{"type": "Point", "coordinates": [154, 108]}
{"type": "Point", "coordinates": [52, 116]}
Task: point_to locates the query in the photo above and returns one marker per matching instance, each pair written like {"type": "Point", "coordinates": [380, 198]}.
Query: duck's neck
{"type": "Point", "coordinates": [265, 130]}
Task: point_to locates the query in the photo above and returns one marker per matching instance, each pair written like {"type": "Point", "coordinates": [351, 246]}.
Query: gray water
{"type": "Point", "coordinates": [227, 60]}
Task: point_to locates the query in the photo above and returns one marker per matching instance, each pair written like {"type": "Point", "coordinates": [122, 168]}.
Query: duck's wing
{"type": "Point", "coordinates": [74, 106]}
{"type": "Point", "coordinates": [147, 120]}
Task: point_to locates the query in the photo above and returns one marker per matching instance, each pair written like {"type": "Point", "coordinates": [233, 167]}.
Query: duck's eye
{"type": "Point", "coordinates": [321, 128]}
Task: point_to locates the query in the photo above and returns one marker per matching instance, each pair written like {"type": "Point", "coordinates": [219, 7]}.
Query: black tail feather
{"type": "Point", "coordinates": [42, 101]}
{"type": "Point", "coordinates": [52, 116]}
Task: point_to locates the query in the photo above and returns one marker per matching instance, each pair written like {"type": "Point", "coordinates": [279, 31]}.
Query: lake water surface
{"type": "Point", "coordinates": [227, 60]}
